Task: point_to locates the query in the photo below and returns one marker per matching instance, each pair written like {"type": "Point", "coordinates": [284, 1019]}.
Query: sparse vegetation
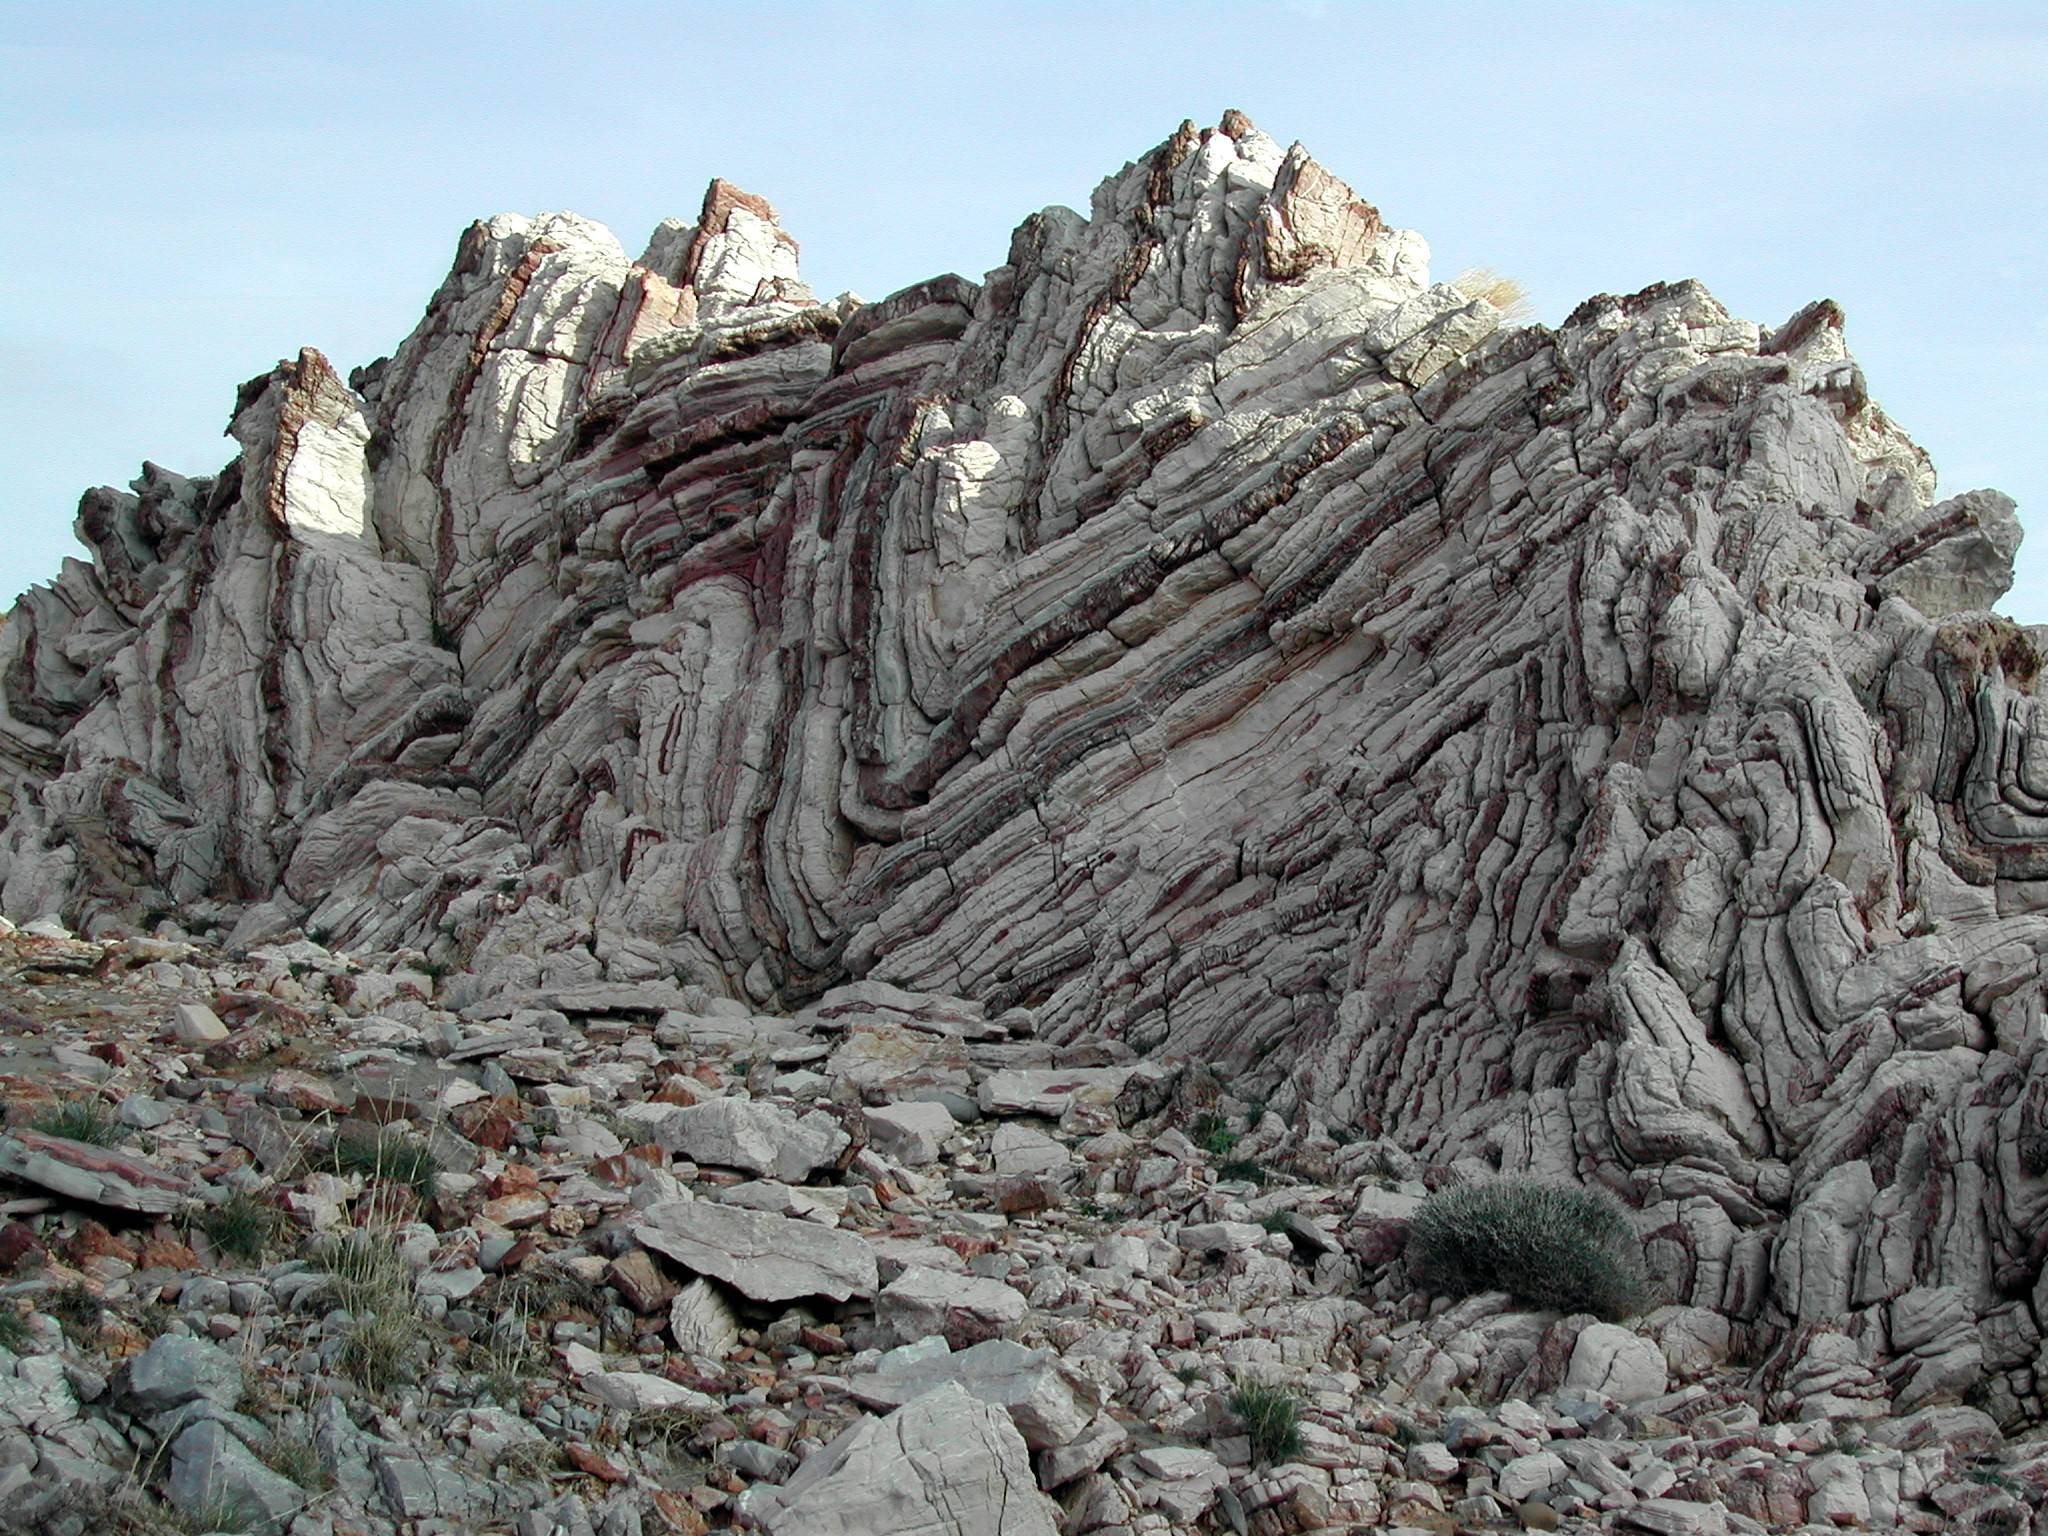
{"type": "Point", "coordinates": [84, 1120]}
{"type": "Point", "coordinates": [217, 1515]}
{"type": "Point", "coordinates": [1551, 1245]}
{"type": "Point", "coordinates": [13, 1330]}
{"type": "Point", "coordinates": [506, 1353]}
{"type": "Point", "coordinates": [1250, 1170]}
{"type": "Point", "coordinates": [374, 1285]}
{"type": "Point", "coordinates": [1214, 1136]}
{"type": "Point", "coordinates": [665, 1435]}
{"type": "Point", "coordinates": [242, 1226]}
{"type": "Point", "coordinates": [388, 1154]}
{"type": "Point", "coordinates": [366, 1267]}
{"type": "Point", "coordinates": [297, 1458]}
{"type": "Point", "coordinates": [1503, 293]}
{"type": "Point", "coordinates": [78, 1312]}
{"type": "Point", "coordinates": [1271, 1417]}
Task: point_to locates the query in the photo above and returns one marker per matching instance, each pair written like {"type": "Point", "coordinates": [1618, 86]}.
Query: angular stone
{"type": "Point", "coordinates": [220, 1483]}
{"type": "Point", "coordinates": [763, 1139]}
{"type": "Point", "coordinates": [178, 1369]}
{"type": "Point", "coordinates": [763, 1257]}
{"type": "Point", "coordinates": [415, 1487]}
{"type": "Point", "coordinates": [1526, 1475]}
{"type": "Point", "coordinates": [1050, 1405]}
{"type": "Point", "coordinates": [701, 1321]}
{"type": "Point", "coordinates": [910, 1134]}
{"type": "Point", "coordinates": [1047, 1090]}
{"type": "Point", "coordinates": [1616, 1364]}
{"type": "Point", "coordinates": [944, 1465]}
{"type": "Point", "coordinates": [641, 1392]}
{"type": "Point", "coordinates": [1674, 1517]}
{"type": "Point", "coordinates": [197, 1024]}
{"type": "Point", "coordinates": [97, 1175]}
{"type": "Point", "coordinates": [645, 1288]}
{"type": "Point", "coordinates": [961, 1309]}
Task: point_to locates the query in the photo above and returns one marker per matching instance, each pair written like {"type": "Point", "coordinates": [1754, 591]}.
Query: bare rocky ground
{"type": "Point", "coordinates": [889, 1265]}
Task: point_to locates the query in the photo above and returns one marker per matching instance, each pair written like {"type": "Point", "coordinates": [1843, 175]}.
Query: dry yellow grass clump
{"type": "Point", "coordinates": [1503, 293]}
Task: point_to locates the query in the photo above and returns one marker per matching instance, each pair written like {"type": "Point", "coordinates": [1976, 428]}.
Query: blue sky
{"type": "Point", "coordinates": [196, 190]}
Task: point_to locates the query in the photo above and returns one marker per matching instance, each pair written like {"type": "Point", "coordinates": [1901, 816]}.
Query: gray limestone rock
{"type": "Point", "coordinates": [763, 1139]}
{"type": "Point", "coordinates": [762, 1256]}
{"type": "Point", "coordinates": [1587, 749]}
{"type": "Point", "coordinates": [1050, 1406]}
{"type": "Point", "coordinates": [943, 1465]}
{"type": "Point", "coordinates": [176, 1369]}
{"type": "Point", "coordinates": [961, 1309]}
{"type": "Point", "coordinates": [219, 1483]}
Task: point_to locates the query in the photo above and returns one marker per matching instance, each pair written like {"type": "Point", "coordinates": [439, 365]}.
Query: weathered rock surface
{"type": "Point", "coordinates": [761, 1255]}
{"type": "Point", "coordinates": [527, 1380]}
{"type": "Point", "coordinates": [944, 1465]}
{"type": "Point", "coordinates": [1581, 750]}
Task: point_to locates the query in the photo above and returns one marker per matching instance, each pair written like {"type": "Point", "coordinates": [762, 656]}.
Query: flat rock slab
{"type": "Point", "coordinates": [764, 1139]}
{"type": "Point", "coordinates": [1049, 1090]}
{"type": "Point", "coordinates": [1050, 1406]}
{"type": "Point", "coordinates": [762, 1256]}
{"type": "Point", "coordinates": [99, 1175]}
{"type": "Point", "coordinates": [944, 1465]}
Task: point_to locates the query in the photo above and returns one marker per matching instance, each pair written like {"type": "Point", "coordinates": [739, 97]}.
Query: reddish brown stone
{"type": "Point", "coordinates": [19, 1245]}
{"type": "Point", "coordinates": [645, 1288]}
{"type": "Point", "coordinates": [244, 1046]}
{"type": "Point", "coordinates": [1021, 1194]}
{"type": "Point", "coordinates": [592, 1464]}
{"type": "Point", "coordinates": [166, 1253]}
{"type": "Point", "coordinates": [486, 1124]}
{"type": "Point", "coordinates": [677, 1513]}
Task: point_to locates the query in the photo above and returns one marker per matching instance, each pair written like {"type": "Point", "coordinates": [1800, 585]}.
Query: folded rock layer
{"type": "Point", "coordinates": [1585, 750]}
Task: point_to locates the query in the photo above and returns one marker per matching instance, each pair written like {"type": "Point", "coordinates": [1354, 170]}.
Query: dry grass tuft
{"type": "Point", "coordinates": [1503, 293]}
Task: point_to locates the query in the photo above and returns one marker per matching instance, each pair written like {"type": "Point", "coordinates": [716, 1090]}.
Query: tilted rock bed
{"type": "Point", "coordinates": [683, 1268]}
{"type": "Point", "coordinates": [1585, 750]}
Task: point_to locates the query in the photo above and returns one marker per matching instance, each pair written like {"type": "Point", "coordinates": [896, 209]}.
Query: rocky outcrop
{"type": "Point", "coordinates": [1584, 750]}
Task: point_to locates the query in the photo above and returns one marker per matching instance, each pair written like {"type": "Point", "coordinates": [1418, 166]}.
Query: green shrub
{"type": "Point", "coordinates": [241, 1226]}
{"type": "Point", "coordinates": [84, 1120]}
{"type": "Point", "coordinates": [1271, 1417]}
{"type": "Point", "coordinates": [296, 1457]}
{"type": "Point", "coordinates": [368, 1271]}
{"type": "Point", "coordinates": [388, 1154]}
{"type": "Point", "coordinates": [1213, 1136]}
{"type": "Point", "coordinates": [1571, 1250]}
{"type": "Point", "coordinates": [374, 1284]}
{"type": "Point", "coordinates": [13, 1329]}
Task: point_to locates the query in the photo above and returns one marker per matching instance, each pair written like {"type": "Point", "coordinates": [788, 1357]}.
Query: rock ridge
{"type": "Point", "coordinates": [1584, 751]}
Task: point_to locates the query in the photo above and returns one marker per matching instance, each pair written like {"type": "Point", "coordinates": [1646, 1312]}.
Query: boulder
{"type": "Point", "coordinates": [1050, 1404]}
{"type": "Point", "coordinates": [97, 1175]}
{"type": "Point", "coordinates": [961, 1309]}
{"type": "Point", "coordinates": [220, 1484]}
{"type": "Point", "coordinates": [944, 1465]}
{"type": "Point", "coordinates": [1610, 1362]}
{"type": "Point", "coordinates": [910, 1134]}
{"type": "Point", "coordinates": [763, 1139]}
{"type": "Point", "coordinates": [762, 1256]}
{"type": "Point", "coordinates": [178, 1369]}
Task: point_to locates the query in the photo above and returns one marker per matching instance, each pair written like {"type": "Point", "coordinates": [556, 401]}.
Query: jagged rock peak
{"type": "Point", "coordinates": [1586, 751]}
